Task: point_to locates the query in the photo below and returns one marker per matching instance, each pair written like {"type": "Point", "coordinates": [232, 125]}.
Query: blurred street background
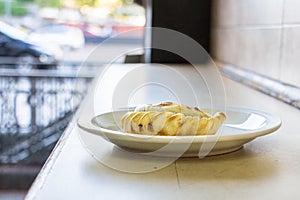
{"type": "Point", "coordinates": [43, 43]}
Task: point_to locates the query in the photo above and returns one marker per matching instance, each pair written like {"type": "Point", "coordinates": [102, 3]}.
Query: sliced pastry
{"type": "Point", "coordinates": [171, 119]}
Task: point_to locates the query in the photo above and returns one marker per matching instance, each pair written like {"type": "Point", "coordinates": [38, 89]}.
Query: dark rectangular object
{"type": "Point", "coordinates": [190, 17]}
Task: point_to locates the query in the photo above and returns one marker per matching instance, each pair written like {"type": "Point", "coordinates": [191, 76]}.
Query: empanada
{"type": "Point", "coordinates": [171, 119]}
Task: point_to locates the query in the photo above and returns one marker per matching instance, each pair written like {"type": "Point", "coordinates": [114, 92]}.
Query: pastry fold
{"type": "Point", "coordinates": [171, 119]}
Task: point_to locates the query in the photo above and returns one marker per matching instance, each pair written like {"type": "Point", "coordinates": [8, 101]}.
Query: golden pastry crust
{"type": "Point", "coordinates": [172, 107]}
{"type": "Point", "coordinates": [171, 119]}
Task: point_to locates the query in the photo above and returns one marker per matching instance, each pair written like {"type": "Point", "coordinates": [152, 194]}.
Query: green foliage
{"type": "Point", "coordinates": [86, 2]}
{"type": "Point", "coordinates": [17, 8]}
{"type": "Point", "coordinates": [48, 3]}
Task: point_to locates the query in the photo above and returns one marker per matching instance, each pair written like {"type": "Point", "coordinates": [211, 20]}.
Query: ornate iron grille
{"type": "Point", "coordinates": [35, 108]}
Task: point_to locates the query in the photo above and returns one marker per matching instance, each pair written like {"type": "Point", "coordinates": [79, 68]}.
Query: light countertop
{"type": "Point", "coordinates": [266, 168]}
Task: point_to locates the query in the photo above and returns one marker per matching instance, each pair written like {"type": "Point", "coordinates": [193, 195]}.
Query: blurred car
{"type": "Point", "coordinates": [93, 31]}
{"type": "Point", "coordinates": [65, 36]}
{"type": "Point", "coordinates": [16, 48]}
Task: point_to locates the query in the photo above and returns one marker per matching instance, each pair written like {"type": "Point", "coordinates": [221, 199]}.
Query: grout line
{"type": "Point", "coordinates": [177, 176]}
{"type": "Point", "coordinates": [282, 36]}
{"type": "Point", "coordinates": [258, 26]}
{"type": "Point", "coordinates": [287, 93]}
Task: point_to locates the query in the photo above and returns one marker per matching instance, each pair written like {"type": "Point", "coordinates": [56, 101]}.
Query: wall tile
{"type": "Point", "coordinates": [258, 12]}
{"type": "Point", "coordinates": [290, 63]}
{"type": "Point", "coordinates": [232, 13]}
{"type": "Point", "coordinates": [249, 34]}
{"type": "Point", "coordinates": [223, 45]}
{"type": "Point", "coordinates": [291, 11]}
{"type": "Point", "coordinates": [254, 49]}
{"type": "Point", "coordinates": [259, 51]}
{"type": "Point", "coordinates": [224, 13]}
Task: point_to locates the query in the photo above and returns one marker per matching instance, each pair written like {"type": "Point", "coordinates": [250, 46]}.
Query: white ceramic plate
{"type": "Point", "coordinates": [241, 126]}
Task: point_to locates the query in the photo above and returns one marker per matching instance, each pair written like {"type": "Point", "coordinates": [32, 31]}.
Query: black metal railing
{"type": "Point", "coordinates": [35, 108]}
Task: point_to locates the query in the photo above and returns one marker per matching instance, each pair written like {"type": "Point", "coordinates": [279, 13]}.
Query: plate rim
{"type": "Point", "coordinates": [90, 126]}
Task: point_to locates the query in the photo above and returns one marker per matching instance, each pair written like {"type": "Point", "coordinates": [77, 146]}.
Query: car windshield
{"type": "Point", "coordinates": [12, 32]}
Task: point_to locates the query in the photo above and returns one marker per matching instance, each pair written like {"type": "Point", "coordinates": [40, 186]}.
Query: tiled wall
{"type": "Point", "coordinates": [260, 35]}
